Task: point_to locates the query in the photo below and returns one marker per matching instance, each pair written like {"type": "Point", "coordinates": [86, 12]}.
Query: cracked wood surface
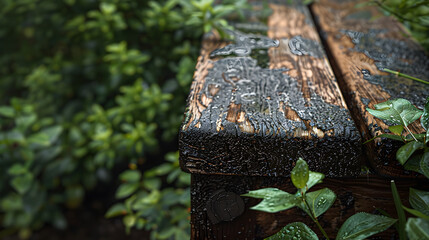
{"type": "Point", "coordinates": [261, 101]}
{"type": "Point", "coordinates": [360, 42]}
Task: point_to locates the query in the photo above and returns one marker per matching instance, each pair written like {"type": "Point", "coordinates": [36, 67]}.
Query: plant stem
{"type": "Point", "coordinates": [314, 218]}
{"type": "Point", "coordinates": [412, 135]}
{"type": "Point", "coordinates": [405, 76]}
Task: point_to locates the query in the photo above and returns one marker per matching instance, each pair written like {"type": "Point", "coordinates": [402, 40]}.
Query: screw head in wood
{"type": "Point", "coordinates": [224, 206]}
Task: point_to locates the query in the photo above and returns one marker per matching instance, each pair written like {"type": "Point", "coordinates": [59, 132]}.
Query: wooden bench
{"type": "Point", "coordinates": [260, 102]}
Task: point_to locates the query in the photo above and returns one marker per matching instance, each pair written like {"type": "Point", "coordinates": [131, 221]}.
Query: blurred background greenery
{"type": "Point", "coordinates": [92, 94]}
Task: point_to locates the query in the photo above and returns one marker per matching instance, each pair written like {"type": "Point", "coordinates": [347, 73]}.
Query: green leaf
{"type": "Point", "coordinates": [265, 192]}
{"type": "Point", "coordinates": [277, 203]}
{"type": "Point", "coordinates": [397, 129]}
{"type": "Point", "coordinates": [424, 120]}
{"type": "Point", "coordinates": [419, 200]}
{"type": "Point", "coordinates": [116, 210]}
{"type": "Point", "coordinates": [152, 183]}
{"type": "Point", "coordinates": [424, 164]}
{"type": "Point", "coordinates": [22, 183]}
{"type": "Point", "coordinates": [53, 133]}
{"type": "Point", "coordinates": [130, 176]}
{"type": "Point", "coordinates": [420, 137]}
{"type": "Point", "coordinates": [7, 111]}
{"type": "Point", "coordinates": [129, 220]}
{"type": "Point", "coordinates": [386, 135]}
{"type": "Point", "coordinates": [17, 169]}
{"type": "Point", "coordinates": [313, 179]}
{"type": "Point", "coordinates": [413, 163]}
{"type": "Point", "coordinates": [416, 213]}
{"type": "Point", "coordinates": [40, 139]}
{"type": "Point", "coordinates": [320, 201]}
{"type": "Point", "coordinates": [397, 111]}
{"type": "Point", "coordinates": [126, 189]}
{"type": "Point", "coordinates": [407, 150]}
{"type": "Point", "coordinates": [295, 230]}
{"type": "Point", "coordinates": [417, 229]}
{"type": "Point", "coordinates": [363, 225]}
{"type": "Point", "coordinates": [300, 174]}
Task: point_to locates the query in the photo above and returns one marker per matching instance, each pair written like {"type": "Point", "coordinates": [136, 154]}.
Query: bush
{"type": "Point", "coordinates": [86, 86]}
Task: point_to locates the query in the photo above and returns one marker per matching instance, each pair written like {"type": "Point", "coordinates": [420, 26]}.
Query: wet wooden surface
{"type": "Point", "coordinates": [363, 194]}
{"type": "Point", "coordinates": [360, 42]}
{"type": "Point", "coordinates": [260, 102]}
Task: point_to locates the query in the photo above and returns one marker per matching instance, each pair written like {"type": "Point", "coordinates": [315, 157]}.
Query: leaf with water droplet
{"type": "Point", "coordinates": [319, 201]}
{"type": "Point", "coordinates": [265, 192]}
{"type": "Point", "coordinates": [277, 203]}
{"type": "Point", "coordinates": [397, 111]}
{"type": "Point", "coordinates": [363, 225]}
{"type": "Point", "coordinates": [300, 174]}
{"type": "Point", "coordinates": [295, 230]}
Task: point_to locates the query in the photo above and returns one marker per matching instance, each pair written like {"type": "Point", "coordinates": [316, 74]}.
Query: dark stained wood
{"type": "Point", "coordinates": [360, 41]}
{"type": "Point", "coordinates": [255, 108]}
{"type": "Point", "coordinates": [363, 194]}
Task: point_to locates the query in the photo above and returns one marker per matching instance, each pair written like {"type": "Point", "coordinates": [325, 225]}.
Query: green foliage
{"type": "Point", "coordinates": [398, 111]}
{"type": "Point", "coordinates": [363, 225]}
{"type": "Point", "coordinates": [419, 200]}
{"type": "Point", "coordinates": [88, 86]}
{"type": "Point", "coordinates": [417, 228]}
{"type": "Point", "coordinates": [414, 153]}
{"type": "Point", "coordinates": [300, 174]}
{"type": "Point", "coordinates": [413, 13]}
{"type": "Point", "coordinates": [358, 226]}
{"type": "Point", "coordinates": [295, 230]}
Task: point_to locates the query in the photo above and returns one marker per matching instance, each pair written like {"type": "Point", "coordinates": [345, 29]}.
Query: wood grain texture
{"type": "Point", "coordinates": [360, 42]}
{"type": "Point", "coordinates": [363, 194]}
{"type": "Point", "coordinates": [260, 102]}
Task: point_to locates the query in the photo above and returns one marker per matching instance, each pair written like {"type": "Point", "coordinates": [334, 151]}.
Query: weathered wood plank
{"type": "Point", "coordinates": [361, 41]}
{"type": "Point", "coordinates": [260, 102]}
{"type": "Point", "coordinates": [363, 194]}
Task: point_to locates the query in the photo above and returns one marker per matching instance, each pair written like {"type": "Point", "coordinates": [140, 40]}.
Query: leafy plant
{"type": "Point", "coordinates": [414, 155]}
{"type": "Point", "coordinates": [358, 226]}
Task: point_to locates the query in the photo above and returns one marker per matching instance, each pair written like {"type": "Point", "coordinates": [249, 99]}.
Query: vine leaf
{"type": "Point", "coordinates": [295, 230]}
{"type": "Point", "coordinates": [397, 111]}
{"type": "Point", "coordinates": [362, 225]}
